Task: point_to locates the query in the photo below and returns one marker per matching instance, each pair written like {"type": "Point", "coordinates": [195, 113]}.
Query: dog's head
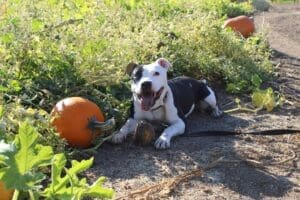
{"type": "Point", "coordinates": [148, 81]}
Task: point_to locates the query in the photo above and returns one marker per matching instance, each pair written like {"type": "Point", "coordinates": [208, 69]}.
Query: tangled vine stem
{"type": "Point", "coordinates": [94, 124]}
{"type": "Point", "coordinates": [239, 108]}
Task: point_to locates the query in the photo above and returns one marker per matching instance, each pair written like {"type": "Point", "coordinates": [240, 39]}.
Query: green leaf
{"type": "Point", "coordinates": [96, 189]}
{"type": "Point", "coordinates": [7, 38]}
{"type": "Point", "coordinates": [70, 186]}
{"type": "Point", "coordinates": [31, 154]}
{"type": "Point", "coordinates": [264, 99]}
{"type": "Point", "coordinates": [36, 25]}
{"type": "Point", "coordinates": [57, 164]}
{"type": "Point", "coordinates": [15, 85]}
{"type": "Point", "coordinates": [53, 2]}
{"type": "Point", "coordinates": [256, 80]}
{"type": "Point", "coordinates": [78, 167]}
{"type": "Point", "coordinates": [1, 108]}
{"type": "Point", "coordinates": [21, 166]}
{"type": "Point", "coordinates": [232, 88]}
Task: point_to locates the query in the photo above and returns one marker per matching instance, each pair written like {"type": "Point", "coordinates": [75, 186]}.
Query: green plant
{"type": "Point", "coordinates": [65, 183]}
{"type": "Point", "coordinates": [53, 49]}
{"type": "Point", "coordinates": [23, 167]}
{"type": "Point", "coordinates": [267, 99]}
{"type": "Point", "coordinates": [226, 7]}
{"type": "Point", "coordinates": [261, 99]}
{"type": "Point", "coordinates": [21, 160]}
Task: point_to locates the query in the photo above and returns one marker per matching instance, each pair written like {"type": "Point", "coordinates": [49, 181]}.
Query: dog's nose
{"type": "Point", "coordinates": [146, 85]}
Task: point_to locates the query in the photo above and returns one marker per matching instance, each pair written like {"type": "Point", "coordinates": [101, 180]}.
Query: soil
{"type": "Point", "coordinates": [282, 24]}
{"type": "Point", "coordinates": [248, 166]}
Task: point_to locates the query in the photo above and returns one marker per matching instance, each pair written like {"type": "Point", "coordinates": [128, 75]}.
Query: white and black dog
{"type": "Point", "coordinates": [156, 98]}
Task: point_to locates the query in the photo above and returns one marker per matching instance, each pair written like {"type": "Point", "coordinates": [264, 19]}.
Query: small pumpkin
{"type": "Point", "coordinates": [79, 121]}
{"type": "Point", "coordinates": [144, 133]}
{"type": "Point", "coordinates": [241, 24]}
{"type": "Point", "coordinates": [5, 194]}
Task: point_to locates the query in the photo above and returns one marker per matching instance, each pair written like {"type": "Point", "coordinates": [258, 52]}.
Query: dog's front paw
{"type": "Point", "coordinates": [118, 138]}
{"type": "Point", "coordinates": [162, 142]}
{"type": "Point", "coordinates": [217, 112]}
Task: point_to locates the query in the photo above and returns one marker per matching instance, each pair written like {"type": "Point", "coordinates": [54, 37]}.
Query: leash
{"type": "Point", "coordinates": [159, 127]}
{"type": "Point", "coordinates": [227, 133]}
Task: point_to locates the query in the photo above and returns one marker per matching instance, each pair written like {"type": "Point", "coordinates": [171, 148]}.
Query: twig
{"type": "Point", "coordinates": [285, 160]}
{"type": "Point", "coordinates": [67, 22]}
{"type": "Point", "coordinates": [227, 104]}
{"type": "Point", "coordinates": [243, 109]}
{"type": "Point", "coordinates": [64, 23]}
{"type": "Point", "coordinates": [92, 150]}
{"type": "Point", "coordinates": [251, 162]}
{"type": "Point", "coordinates": [259, 164]}
{"type": "Point", "coordinates": [169, 184]}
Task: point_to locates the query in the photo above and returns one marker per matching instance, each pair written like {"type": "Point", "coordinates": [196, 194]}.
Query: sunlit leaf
{"type": "Point", "coordinates": [7, 38]}
{"type": "Point", "coordinates": [264, 99]}
{"type": "Point", "coordinates": [37, 25]}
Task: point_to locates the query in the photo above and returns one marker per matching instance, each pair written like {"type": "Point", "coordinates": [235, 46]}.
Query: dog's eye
{"type": "Point", "coordinates": [156, 74]}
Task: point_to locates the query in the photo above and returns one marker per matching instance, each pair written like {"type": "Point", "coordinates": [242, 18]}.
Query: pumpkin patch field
{"type": "Point", "coordinates": [64, 92]}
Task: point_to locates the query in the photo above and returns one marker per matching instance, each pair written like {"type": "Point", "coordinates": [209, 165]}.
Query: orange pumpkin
{"type": "Point", "coordinates": [241, 24]}
{"type": "Point", "coordinates": [79, 120]}
{"type": "Point", "coordinates": [5, 194]}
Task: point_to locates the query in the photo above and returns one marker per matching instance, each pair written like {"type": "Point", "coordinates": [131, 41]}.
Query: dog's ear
{"type": "Point", "coordinates": [130, 67]}
{"type": "Point", "coordinates": [164, 63]}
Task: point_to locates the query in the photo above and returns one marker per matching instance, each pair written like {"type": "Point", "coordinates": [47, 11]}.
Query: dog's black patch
{"type": "Point", "coordinates": [137, 73]}
{"type": "Point", "coordinates": [194, 91]}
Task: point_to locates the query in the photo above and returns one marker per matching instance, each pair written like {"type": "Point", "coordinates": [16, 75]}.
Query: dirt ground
{"type": "Point", "coordinates": [245, 166]}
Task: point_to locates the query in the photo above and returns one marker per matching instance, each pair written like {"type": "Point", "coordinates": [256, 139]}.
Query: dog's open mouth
{"type": "Point", "coordinates": [148, 98]}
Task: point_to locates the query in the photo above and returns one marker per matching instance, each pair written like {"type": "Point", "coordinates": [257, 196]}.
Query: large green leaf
{"type": "Point", "coordinates": [69, 186]}
{"type": "Point", "coordinates": [96, 189]}
{"type": "Point", "coordinates": [36, 25]}
{"type": "Point", "coordinates": [21, 164]}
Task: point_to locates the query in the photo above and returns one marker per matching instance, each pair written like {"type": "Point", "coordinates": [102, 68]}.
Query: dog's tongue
{"type": "Point", "coordinates": [147, 102]}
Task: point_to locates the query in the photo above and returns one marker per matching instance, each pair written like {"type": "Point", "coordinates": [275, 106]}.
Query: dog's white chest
{"type": "Point", "coordinates": [159, 114]}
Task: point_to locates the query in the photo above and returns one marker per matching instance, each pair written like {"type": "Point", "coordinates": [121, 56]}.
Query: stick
{"type": "Point", "coordinates": [171, 183]}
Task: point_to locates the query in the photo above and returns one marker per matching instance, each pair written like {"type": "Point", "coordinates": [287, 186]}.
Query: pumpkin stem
{"type": "Point", "coordinates": [94, 124]}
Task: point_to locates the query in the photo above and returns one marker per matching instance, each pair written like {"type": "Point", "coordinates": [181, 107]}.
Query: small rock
{"type": "Point", "coordinates": [208, 191]}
